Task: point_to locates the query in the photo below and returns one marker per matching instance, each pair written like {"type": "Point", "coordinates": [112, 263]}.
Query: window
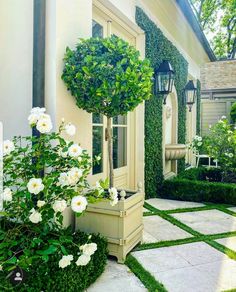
{"type": "Point", "coordinates": [97, 30]}
{"type": "Point", "coordinates": [119, 141]}
{"type": "Point", "coordinates": [97, 142]}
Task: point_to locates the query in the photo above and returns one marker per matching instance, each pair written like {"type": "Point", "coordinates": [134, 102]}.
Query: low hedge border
{"type": "Point", "coordinates": [47, 276]}
{"type": "Point", "coordinates": [198, 191]}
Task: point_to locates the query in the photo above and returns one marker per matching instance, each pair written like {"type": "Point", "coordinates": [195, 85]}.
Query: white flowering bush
{"type": "Point", "coordinates": [42, 177]}
{"type": "Point", "coordinates": [197, 144]}
{"type": "Point", "coordinates": [221, 143]}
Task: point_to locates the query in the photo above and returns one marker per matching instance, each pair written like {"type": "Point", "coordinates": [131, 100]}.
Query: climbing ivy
{"type": "Point", "coordinates": [198, 103]}
{"type": "Point", "coordinates": [159, 48]}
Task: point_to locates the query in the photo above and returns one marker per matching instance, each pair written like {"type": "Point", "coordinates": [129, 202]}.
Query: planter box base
{"type": "Point", "coordinates": [122, 224]}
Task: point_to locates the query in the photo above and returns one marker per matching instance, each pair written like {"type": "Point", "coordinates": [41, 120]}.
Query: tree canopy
{"type": "Point", "coordinates": [218, 20]}
{"type": "Point", "coordinates": [107, 76]}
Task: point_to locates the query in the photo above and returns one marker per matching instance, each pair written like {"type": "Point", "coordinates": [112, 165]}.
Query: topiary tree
{"type": "Point", "coordinates": [106, 76]}
{"type": "Point", "coordinates": [233, 112]}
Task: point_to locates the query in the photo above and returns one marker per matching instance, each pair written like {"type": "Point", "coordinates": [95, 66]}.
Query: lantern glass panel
{"type": "Point", "coordinates": [190, 96]}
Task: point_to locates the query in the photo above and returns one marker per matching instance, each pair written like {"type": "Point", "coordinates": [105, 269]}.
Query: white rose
{"type": "Point", "coordinates": [8, 147]}
{"type": "Point", "coordinates": [114, 202]}
{"type": "Point", "coordinates": [113, 193]}
{"type": "Point", "coordinates": [79, 204]}
{"type": "Point", "coordinates": [62, 153]}
{"type": "Point", "coordinates": [63, 179]}
{"type": "Point", "coordinates": [230, 155]}
{"type": "Point", "coordinates": [33, 118]}
{"type": "Point", "coordinates": [199, 138]}
{"type": "Point", "coordinates": [35, 216]}
{"type": "Point", "coordinates": [83, 260]}
{"type": "Point", "coordinates": [7, 195]}
{"type": "Point", "coordinates": [89, 248]}
{"type": "Point", "coordinates": [70, 129]}
{"type": "Point", "coordinates": [59, 205]}
{"type": "Point", "coordinates": [74, 175]}
{"type": "Point", "coordinates": [199, 144]}
{"type": "Point", "coordinates": [75, 150]}
{"type": "Point", "coordinates": [223, 117]}
{"type": "Point", "coordinates": [35, 114]}
{"type": "Point", "coordinates": [38, 110]}
{"type": "Point", "coordinates": [44, 124]}
{"type": "Point", "coordinates": [35, 185]}
{"type": "Point", "coordinates": [65, 261]}
{"type": "Point", "coordinates": [40, 203]}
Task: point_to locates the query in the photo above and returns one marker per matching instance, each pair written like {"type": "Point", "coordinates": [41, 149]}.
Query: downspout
{"type": "Point", "coordinates": [38, 99]}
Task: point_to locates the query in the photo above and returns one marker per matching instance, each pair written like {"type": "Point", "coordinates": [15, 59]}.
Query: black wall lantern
{"type": "Point", "coordinates": [190, 93]}
{"type": "Point", "coordinates": [164, 79]}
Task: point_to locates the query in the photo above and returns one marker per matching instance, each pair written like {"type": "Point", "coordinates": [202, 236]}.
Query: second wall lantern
{"type": "Point", "coordinates": [190, 93]}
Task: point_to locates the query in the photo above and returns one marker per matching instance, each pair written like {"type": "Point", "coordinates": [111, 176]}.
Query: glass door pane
{"type": "Point", "coordinates": [119, 141]}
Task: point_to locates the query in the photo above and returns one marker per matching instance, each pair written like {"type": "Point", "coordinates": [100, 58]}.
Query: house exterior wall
{"type": "Point", "coordinates": [16, 59]}
{"type": "Point", "coordinates": [66, 22]}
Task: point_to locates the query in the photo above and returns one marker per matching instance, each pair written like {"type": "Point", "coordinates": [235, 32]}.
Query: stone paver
{"type": "Point", "coordinates": [232, 209]}
{"type": "Point", "coordinates": [229, 242]}
{"type": "Point", "coordinates": [208, 221]}
{"type": "Point", "coordinates": [163, 204]}
{"type": "Point", "coordinates": [117, 278]}
{"type": "Point", "coordinates": [195, 267]}
{"type": "Point", "coordinates": [157, 229]}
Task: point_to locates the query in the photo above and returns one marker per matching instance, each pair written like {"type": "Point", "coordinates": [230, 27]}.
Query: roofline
{"type": "Point", "coordinates": [184, 5]}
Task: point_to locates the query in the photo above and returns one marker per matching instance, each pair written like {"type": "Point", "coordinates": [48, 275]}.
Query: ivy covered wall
{"type": "Point", "coordinates": [198, 104]}
{"type": "Point", "coordinates": [159, 48]}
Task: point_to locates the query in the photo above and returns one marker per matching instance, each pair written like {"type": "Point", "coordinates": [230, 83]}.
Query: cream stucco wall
{"type": "Point", "coordinates": [16, 38]}
{"type": "Point", "coordinates": [65, 25]}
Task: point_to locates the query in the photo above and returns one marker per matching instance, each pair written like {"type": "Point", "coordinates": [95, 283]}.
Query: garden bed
{"type": "Point", "coordinates": [48, 276]}
{"type": "Point", "coordinates": [200, 185]}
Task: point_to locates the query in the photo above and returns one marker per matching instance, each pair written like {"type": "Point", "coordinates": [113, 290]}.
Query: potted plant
{"type": "Point", "coordinates": [106, 76]}
{"type": "Point", "coordinates": [43, 176]}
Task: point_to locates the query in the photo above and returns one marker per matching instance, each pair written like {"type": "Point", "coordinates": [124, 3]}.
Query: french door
{"type": "Point", "coordinates": [103, 26]}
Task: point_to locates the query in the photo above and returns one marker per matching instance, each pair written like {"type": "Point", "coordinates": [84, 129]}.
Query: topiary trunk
{"type": "Point", "coordinates": [110, 152]}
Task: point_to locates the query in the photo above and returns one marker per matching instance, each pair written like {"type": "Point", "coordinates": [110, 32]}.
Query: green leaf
{"type": "Point", "coordinates": [63, 249]}
{"type": "Point", "coordinates": [50, 250]}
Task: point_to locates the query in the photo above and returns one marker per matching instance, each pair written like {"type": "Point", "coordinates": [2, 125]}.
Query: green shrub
{"type": "Point", "coordinates": [198, 191]}
{"type": "Point", "coordinates": [233, 112]}
{"type": "Point", "coordinates": [202, 173]}
{"type": "Point", "coordinates": [47, 276]}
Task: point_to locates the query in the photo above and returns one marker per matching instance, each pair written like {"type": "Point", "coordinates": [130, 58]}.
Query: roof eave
{"type": "Point", "coordinates": [192, 20]}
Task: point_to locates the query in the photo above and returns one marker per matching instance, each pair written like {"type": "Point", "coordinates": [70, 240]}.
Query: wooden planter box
{"type": "Point", "coordinates": [122, 224]}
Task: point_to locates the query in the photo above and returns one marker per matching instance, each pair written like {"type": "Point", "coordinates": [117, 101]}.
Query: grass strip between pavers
{"type": "Point", "coordinates": [229, 252]}
{"type": "Point", "coordinates": [171, 219]}
{"type": "Point", "coordinates": [192, 209]}
{"type": "Point", "coordinates": [168, 243]}
{"type": "Point", "coordinates": [209, 238]}
{"type": "Point", "coordinates": [145, 277]}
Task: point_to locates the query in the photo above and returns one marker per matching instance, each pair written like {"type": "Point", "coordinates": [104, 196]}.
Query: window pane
{"type": "Point", "coordinates": [119, 147]}
{"type": "Point", "coordinates": [120, 120]}
{"type": "Point", "coordinates": [97, 30]}
{"type": "Point", "coordinates": [97, 119]}
{"type": "Point", "coordinates": [97, 148]}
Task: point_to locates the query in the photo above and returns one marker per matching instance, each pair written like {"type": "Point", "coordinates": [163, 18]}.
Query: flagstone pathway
{"type": "Point", "coordinates": [187, 247]}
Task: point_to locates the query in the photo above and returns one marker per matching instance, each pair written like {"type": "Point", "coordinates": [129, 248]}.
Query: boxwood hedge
{"type": "Point", "coordinates": [47, 276]}
{"type": "Point", "coordinates": [199, 185]}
